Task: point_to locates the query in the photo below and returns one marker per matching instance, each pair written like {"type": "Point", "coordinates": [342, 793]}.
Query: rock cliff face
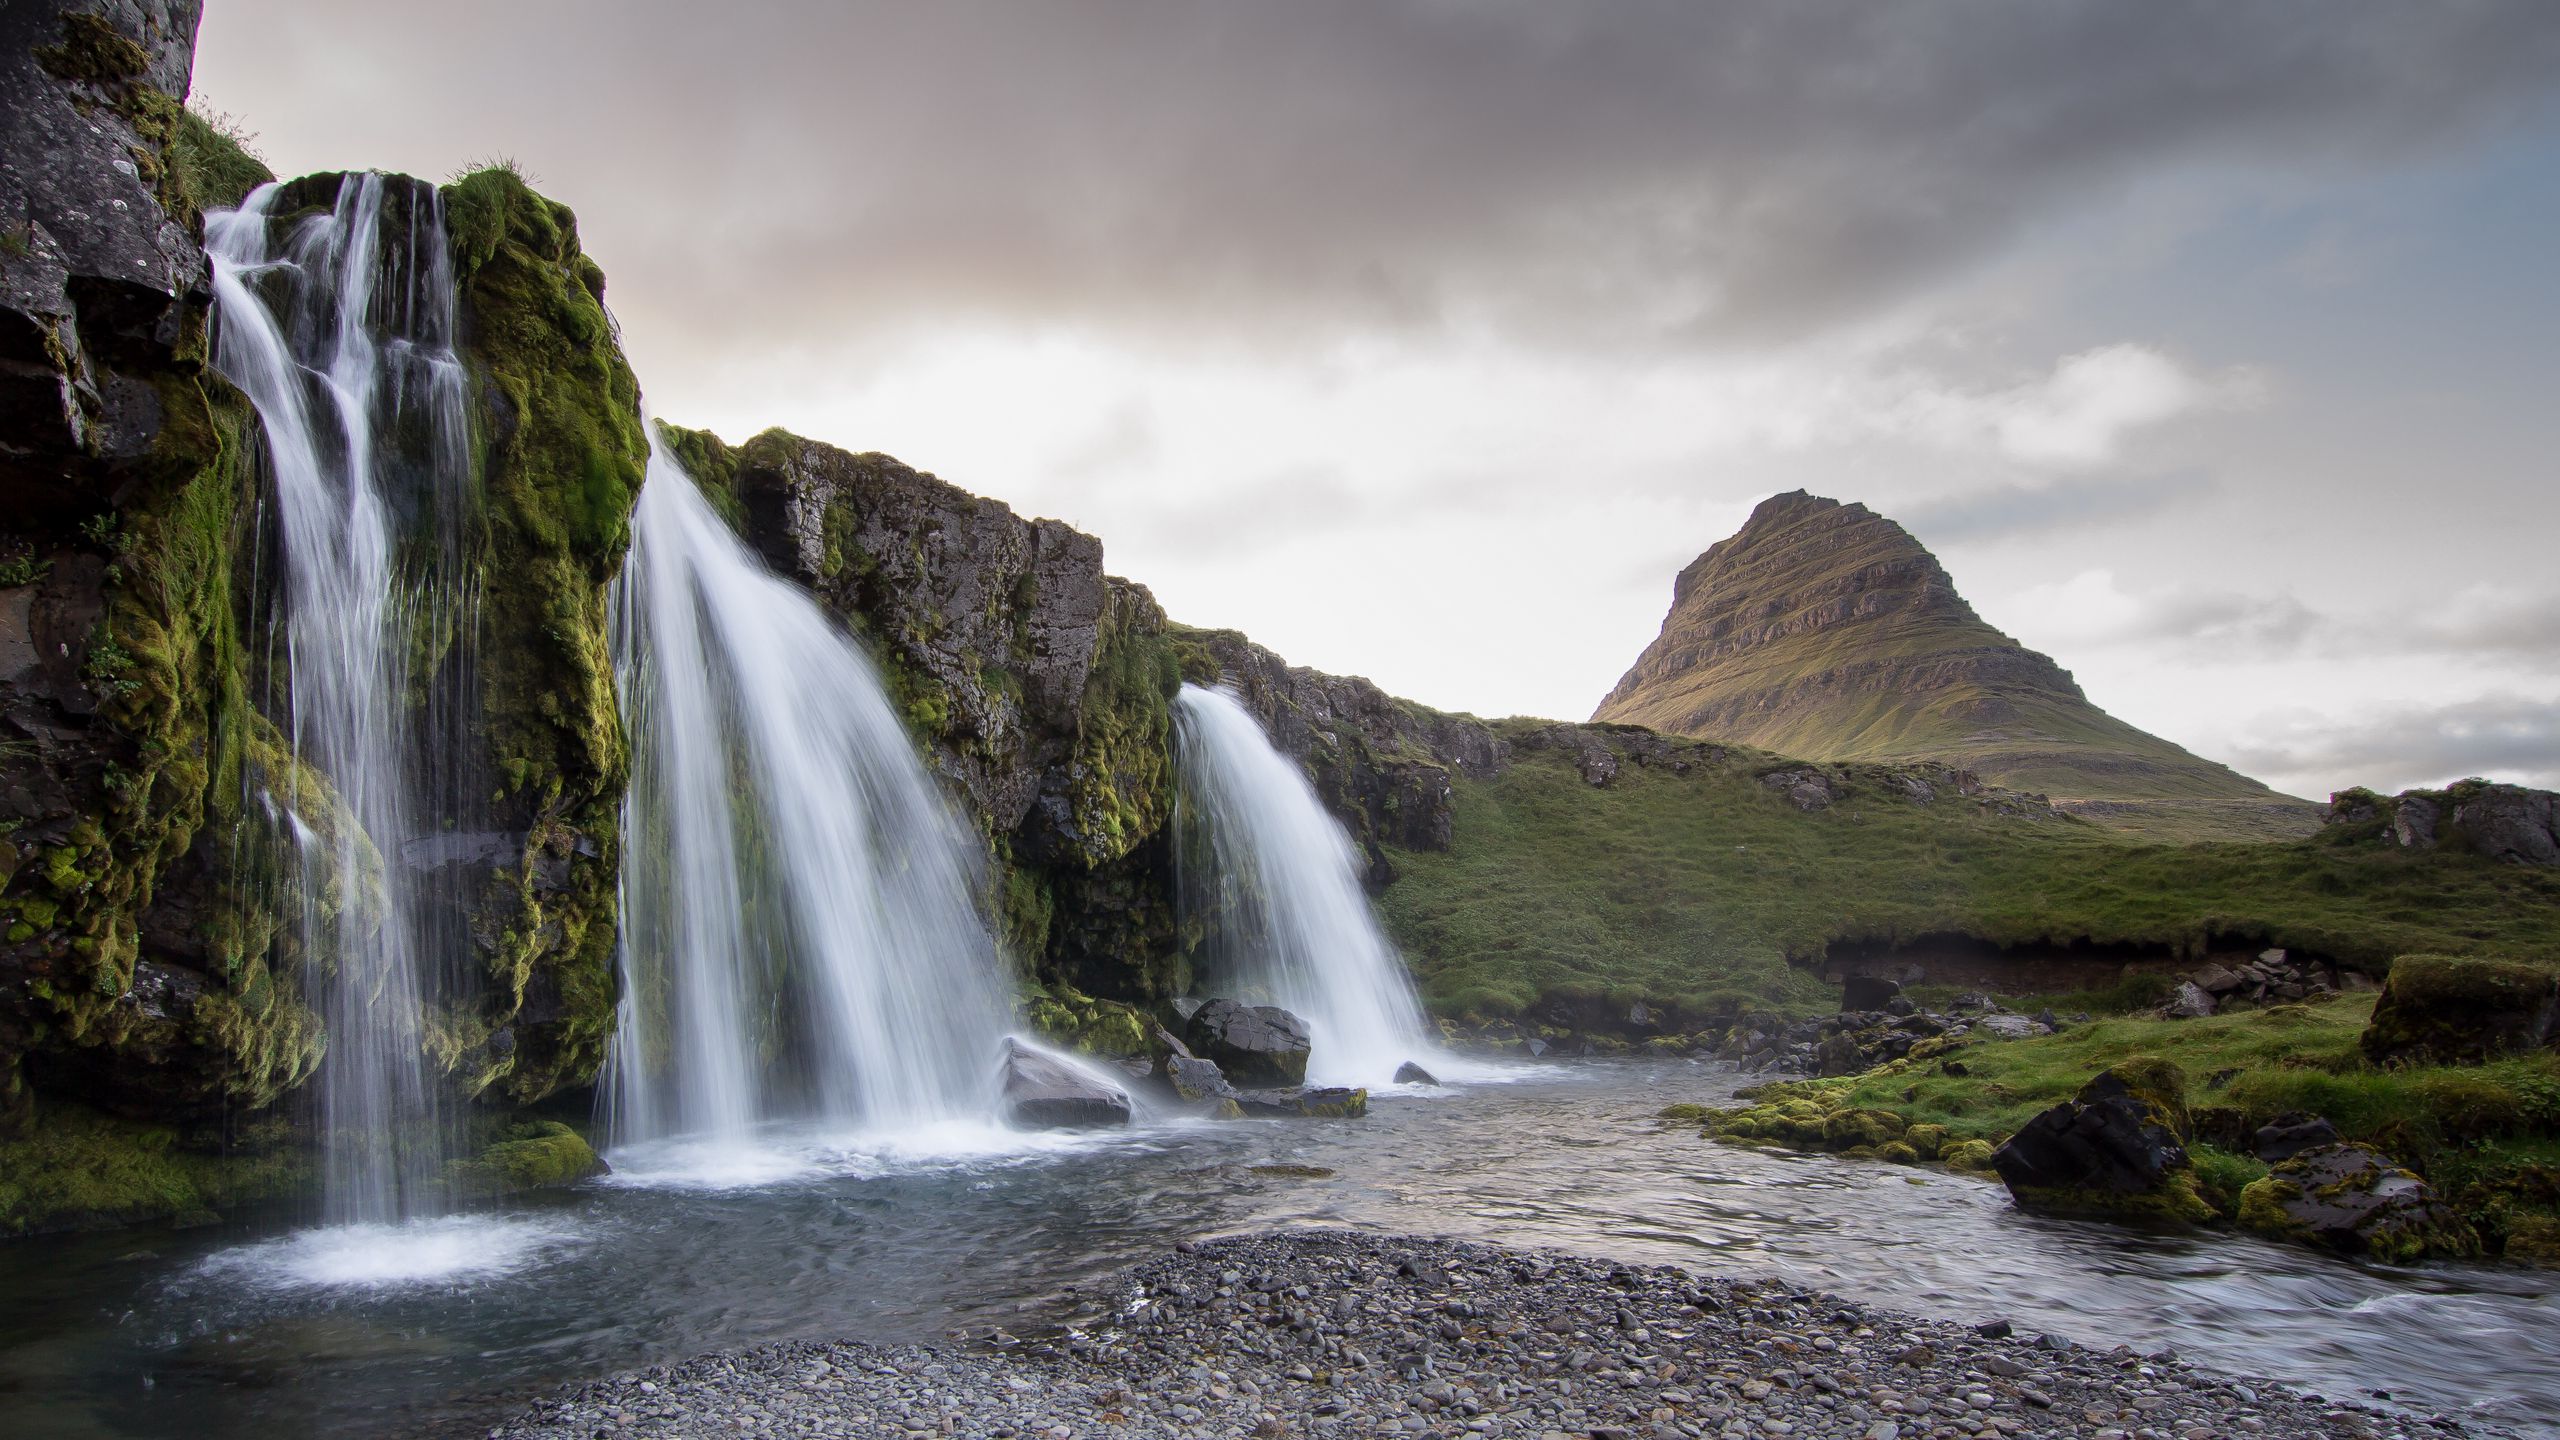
{"type": "Point", "coordinates": [145, 964]}
{"type": "Point", "coordinates": [1824, 630]}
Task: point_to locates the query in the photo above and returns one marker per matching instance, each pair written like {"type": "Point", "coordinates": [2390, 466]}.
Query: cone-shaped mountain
{"type": "Point", "coordinates": [1826, 631]}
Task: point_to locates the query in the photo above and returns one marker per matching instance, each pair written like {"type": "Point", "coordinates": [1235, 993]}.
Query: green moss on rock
{"type": "Point", "coordinates": [564, 456]}
{"type": "Point", "coordinates": [2448, 1010]}
{"type": "Point", "coordinates": [532, 1155]}
{"type": "Point", "coordinates": [80, 1169]}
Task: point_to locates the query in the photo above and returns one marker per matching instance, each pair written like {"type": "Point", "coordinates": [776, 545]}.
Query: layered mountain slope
{"type": "Point", "coordinates": [1824, 630]}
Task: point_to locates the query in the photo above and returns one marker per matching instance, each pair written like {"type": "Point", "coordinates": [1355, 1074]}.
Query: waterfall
{"type": "Point", "coordinates": [339, 326]}
{"type": "Point", "coordinates": [801, 931]}
{"type": "Point", "coordinates": [1281, 884]}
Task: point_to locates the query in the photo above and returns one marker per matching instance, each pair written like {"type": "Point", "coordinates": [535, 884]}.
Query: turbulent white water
{"type": "Point", "coordinates": [1280, 885]}
{"type": "Point", "coordinates": [801, 938]}
{"type": "Point", "coordinates": [339, 328]}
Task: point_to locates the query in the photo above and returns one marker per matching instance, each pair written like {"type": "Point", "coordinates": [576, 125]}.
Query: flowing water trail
{"type": "Point", "coordinates": [802, 938]}
{"type": "Point", "coordinates": [1280, 883]}
{"type": "Point", "coordinates": [339, 327]}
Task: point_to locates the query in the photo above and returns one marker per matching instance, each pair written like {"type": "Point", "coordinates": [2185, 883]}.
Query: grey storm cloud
{"type": "Point", "coordinates": [2503, 737]}
{"type": "Point", "coordinates": [1658, 170]}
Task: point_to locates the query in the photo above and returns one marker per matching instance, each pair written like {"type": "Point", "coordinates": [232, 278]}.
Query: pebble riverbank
{"type": "Point", "coordinates": [1329, 1333]}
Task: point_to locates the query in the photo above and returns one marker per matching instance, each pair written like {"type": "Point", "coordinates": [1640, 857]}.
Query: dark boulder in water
{"type": "Point", "coordinates": [1043, 1092]}
{"type": "Point", "coordinates": [1252, 1044]}
{"type": "Point", "coordinates": [1409, 1073]}
{"type": "Point", "coordinates": [2116, 1148]}
{"type": "Point", "coordinates": [1196, 1080]}
{"type": "Point", "coordinates": [1322, 1102]}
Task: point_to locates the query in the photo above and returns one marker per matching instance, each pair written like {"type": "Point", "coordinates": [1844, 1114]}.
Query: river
{"type": "Point", "coordinates": [269, 1332]}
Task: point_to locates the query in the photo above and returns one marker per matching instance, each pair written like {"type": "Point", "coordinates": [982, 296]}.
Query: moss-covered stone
{"type": "Point", "coordinates": [531, 1156]}
{"type": "Point", "coordinates": [1847, 1128]}
{"type": "Point", "coordinates": [1967, 1156]}
{"type": "Point", "coordinates": [1070, 1019]}
{"type": "Point", "coordinates": [2352, 1199]}
{"type": "Point", "coordinates": [2449, 1010]}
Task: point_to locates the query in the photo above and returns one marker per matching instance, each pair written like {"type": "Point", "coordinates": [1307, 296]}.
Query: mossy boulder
{"type": "Point", "coordinates": [1926, 1140]}
{"type": "Point", "coordinates": [1970, 1157]}
{"type": "Point", "coordinates": [1844, 1129]}
{"type": "Point", "coordinates": [1315, 1102]}
{"type": "Point", "coordinates": [1073, 1020]}
{"type": "Point", "coordinates": [2117, 1148]}
{"type": "Point", "coordinates": [2355, 1200]}
{"type": "Point", "coordinates": [533, 1155]}
{"type": "Point", "coordinates": [2448, 1010]}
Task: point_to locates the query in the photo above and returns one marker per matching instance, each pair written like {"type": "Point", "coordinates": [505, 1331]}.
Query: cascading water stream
{"type": "Point", "coordinates": [341, 336]}
{"type": "Point", "coordinates": [801, 935]}
{"type": "Point", "coordinates": [1279, 880]}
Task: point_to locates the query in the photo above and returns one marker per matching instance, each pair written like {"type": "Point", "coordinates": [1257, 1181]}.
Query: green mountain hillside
{"type": "Point", "coordinates": [1824, 630]}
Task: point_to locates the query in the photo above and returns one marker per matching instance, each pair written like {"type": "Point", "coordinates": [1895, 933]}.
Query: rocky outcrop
{"type": "Point", "coordinates": [2447, 1010]}
{"type": "Point", "coordinates": [2353, 1199]}
{"type": "Point", "coordinates": [103, 286]}
{"type": "Point", "coordinates": [1826, 631]}
{"type": "Point", "coordinates": [2116, 1148]}
{"type": "Point", "coordinates": [2506, 823]}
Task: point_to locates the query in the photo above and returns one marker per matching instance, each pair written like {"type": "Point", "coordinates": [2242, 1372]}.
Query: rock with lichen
{"type": "Point", "coordinates": [2355, 1200]}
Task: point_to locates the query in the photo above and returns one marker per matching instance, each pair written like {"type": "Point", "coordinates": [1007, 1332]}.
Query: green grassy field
{"type": "Point", "coordinates": [2487, 1136]}
{"type": "Point", "coordinates": [1697, 889]}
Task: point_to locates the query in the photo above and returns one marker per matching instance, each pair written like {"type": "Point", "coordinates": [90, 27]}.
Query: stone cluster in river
{"type": "Point", "coordinates": [1343, 1334]}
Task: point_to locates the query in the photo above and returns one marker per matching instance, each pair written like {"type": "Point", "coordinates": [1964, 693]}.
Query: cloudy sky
{"type": "Point", "coordinates": [2216, 348]}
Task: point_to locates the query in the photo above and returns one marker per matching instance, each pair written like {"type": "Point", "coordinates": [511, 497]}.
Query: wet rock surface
{"type": "Point", "coordinates": [1044, 1092]}
{"type": "Point", "coordinates": [1345, 1334]}
{"type": "Point", "coordinates": [1317, 1102]}
{"type": "Point", "coordinates": [2116, 1147]}
{"type": "Point", "coordinates": [1253, 1045]}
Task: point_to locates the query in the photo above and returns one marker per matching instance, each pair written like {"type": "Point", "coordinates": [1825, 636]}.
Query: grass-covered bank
{"type": "Point", "coordinates": [1696, 887]}
{"type": "Point", "coordinates": [2487, 1136]}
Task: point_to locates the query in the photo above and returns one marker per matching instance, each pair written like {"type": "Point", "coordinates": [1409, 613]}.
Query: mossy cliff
{"type": "Point", "coordinates": [562, 457]}
{"type": "Point", "coordinates": [147, 964]}
{"type": "Point", "coordinates": [141, 963]}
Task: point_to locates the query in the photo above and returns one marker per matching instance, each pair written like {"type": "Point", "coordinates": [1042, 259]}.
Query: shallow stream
{"type": "Point", "coordinates": [436, 1328]}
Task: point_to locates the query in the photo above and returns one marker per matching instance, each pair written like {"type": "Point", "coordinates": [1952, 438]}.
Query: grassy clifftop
{"type": "Point", "coordinates": [1689, 878]}
{"type": "Point", "coordinates": [1825, 630]}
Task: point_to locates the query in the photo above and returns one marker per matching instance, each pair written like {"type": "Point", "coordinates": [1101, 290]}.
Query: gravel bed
{"type": "Point", "coordinates": [1327, 1333]}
